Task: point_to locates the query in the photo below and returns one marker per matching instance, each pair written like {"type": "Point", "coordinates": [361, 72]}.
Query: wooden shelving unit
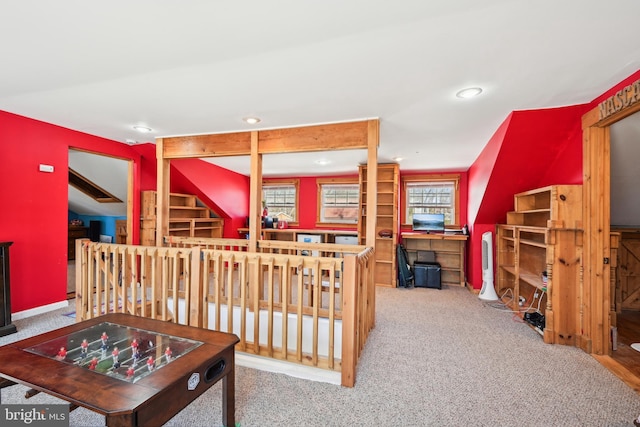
{"type": "Point", "coordinates": [449, 250]}
{"type": "Point", "coordinates": [186, 218]}
{"type": "Point", "coordinates": [539, 258]}
{"type": "Point", "coordinates": [75, 232]}
{"type": "Point", "coordinates": [386, 219]}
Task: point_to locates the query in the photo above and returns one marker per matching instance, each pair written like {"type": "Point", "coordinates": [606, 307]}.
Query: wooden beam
{"type": "Point", "coordinates": [212, 145]}
{"type": "Point", "coordinates": [329, 137]}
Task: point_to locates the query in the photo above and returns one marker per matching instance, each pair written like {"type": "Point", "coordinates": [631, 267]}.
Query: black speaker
{"type": "Point", "coordinates": [94, 230]}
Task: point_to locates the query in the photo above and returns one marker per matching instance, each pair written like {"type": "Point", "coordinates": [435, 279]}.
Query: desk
{"type": "Point", "coordinates": [449, 250]}
{"type": "Point", "coordinates": [137, 397]}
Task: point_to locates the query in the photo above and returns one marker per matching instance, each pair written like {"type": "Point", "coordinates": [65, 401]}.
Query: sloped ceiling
{"type": "Point", "coordinates": [108, 173]}
{"type": "Point", "coordinates": [193, 67]}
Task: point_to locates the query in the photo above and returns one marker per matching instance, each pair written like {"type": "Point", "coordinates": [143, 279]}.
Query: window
{"type": "Point", "coordinates": [281, 199]}
{"type": "Point", "coordinates": [338, 201]}
{"type": "Point", "coordinates": [431, 194]}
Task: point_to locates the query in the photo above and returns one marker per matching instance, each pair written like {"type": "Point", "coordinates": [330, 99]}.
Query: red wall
{"type": "Point", "coordinates": [35, 204]}
{"type": "Point", "coordinates": [531, 149]}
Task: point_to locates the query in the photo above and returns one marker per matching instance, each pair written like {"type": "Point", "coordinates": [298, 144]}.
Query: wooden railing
{"type": "Point", "coordinates": [311, 310]}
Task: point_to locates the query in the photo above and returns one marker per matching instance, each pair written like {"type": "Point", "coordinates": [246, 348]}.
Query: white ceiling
{"type": "Point", "coordinates": [198, 66]}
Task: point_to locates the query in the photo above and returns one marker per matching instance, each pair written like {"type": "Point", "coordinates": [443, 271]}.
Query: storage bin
{"type": "Point", "coordinates": [427, 275]}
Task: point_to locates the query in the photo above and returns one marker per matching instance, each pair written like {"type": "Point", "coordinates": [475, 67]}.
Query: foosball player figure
{"type": "Point", "coordinates": [114, 354]}
{"type": "Point", "coordinates": [130, 372]}
{"type": "Point", "coordinates": [61, 354]}
{"type": "Point", "coordinates": [104, 339]}
{"type": "Point", "coordinates": [168, 354]}
{"type": "Point", "coordinates": [134, 348]}
{"type": "Point", "coordinates": [150, 363]}
{"type": "Point", "coordinates": [84, 348]}
{"type": "Point", "coordinates": [93, 364]}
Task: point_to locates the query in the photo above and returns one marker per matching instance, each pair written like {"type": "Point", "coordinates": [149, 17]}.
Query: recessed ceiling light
{"type": "Point", "coordinates": [323, 162]}
{"type": "Point", "coordinates": [469, 92]}
{"type": "Point", "coordinates": [252, 120]}
{"type": "Point", "coordinates": [142, 129]}
{"type": "Point", "coordinates": [397, 159]}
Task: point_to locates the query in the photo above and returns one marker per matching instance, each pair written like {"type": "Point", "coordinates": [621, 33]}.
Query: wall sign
{"type": "Point", "coordinates": [624, 98]}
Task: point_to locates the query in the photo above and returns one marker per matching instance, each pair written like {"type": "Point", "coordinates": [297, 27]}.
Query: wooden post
{"type": "Point", "coordinates": [596, 202]}
{"type": "Point", "coordinates": [373, 141]}
{"type": "Point", "coordinates": [162, 194]}
{"type": "Point", "coordinates": [196, 288]}
{"type": "Point", "coordinates": [82, 286]}
{"type": "Point", "coordinates": [255, 194]}
{"type": "Point", "coordinates": [130, 213]}
{"type": "Point", "coordinates": [372, 179]}
{"type": "Point", "coordinates": [349, 322]}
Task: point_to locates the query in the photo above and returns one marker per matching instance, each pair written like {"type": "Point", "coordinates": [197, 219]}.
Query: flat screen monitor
{"type": "Point", "coordinates": [428, 222]}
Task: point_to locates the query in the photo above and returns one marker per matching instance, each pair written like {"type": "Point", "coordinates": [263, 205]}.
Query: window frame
{"type": "Point", "coordinates": [431, 178]}
{"type": "Point", "coordinates": [320, 182]}
{"type": "Point", "coordinates": [267, 182]}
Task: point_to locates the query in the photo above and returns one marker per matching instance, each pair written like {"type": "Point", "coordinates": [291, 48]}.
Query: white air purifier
{"type": "Point", "coordinates": [488, 292]}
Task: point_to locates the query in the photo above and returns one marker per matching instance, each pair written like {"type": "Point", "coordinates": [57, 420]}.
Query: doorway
{"type": "Point", "coordinates": [91, 213]}
{"type": "Point", "coordinates": [625, 220]}
{"type": "Point", "coordinates": [598, 309]}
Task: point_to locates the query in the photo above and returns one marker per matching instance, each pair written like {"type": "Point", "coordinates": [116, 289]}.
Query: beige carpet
{"type": "Point", "coordinates": [435, 358]}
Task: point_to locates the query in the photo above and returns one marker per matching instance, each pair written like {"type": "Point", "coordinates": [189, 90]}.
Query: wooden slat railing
{"type": "Point", "coordinates": [314, 311]}
{"type": "Point", "coordinates": [207, 243]}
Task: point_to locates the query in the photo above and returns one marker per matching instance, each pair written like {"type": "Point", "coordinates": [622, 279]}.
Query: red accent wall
{"type": "Point", "coordinates": [227, 192]}
{"type": "Point", "coordinates": [35, 204]}
{"type": "Point", "coordinates": [530, 149]}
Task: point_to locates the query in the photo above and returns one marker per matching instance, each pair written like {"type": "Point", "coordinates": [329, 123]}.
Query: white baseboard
{"type": "Point", "coordinates": [39, 310]}
{"type": "Point", "coordinates": [287, 368]}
